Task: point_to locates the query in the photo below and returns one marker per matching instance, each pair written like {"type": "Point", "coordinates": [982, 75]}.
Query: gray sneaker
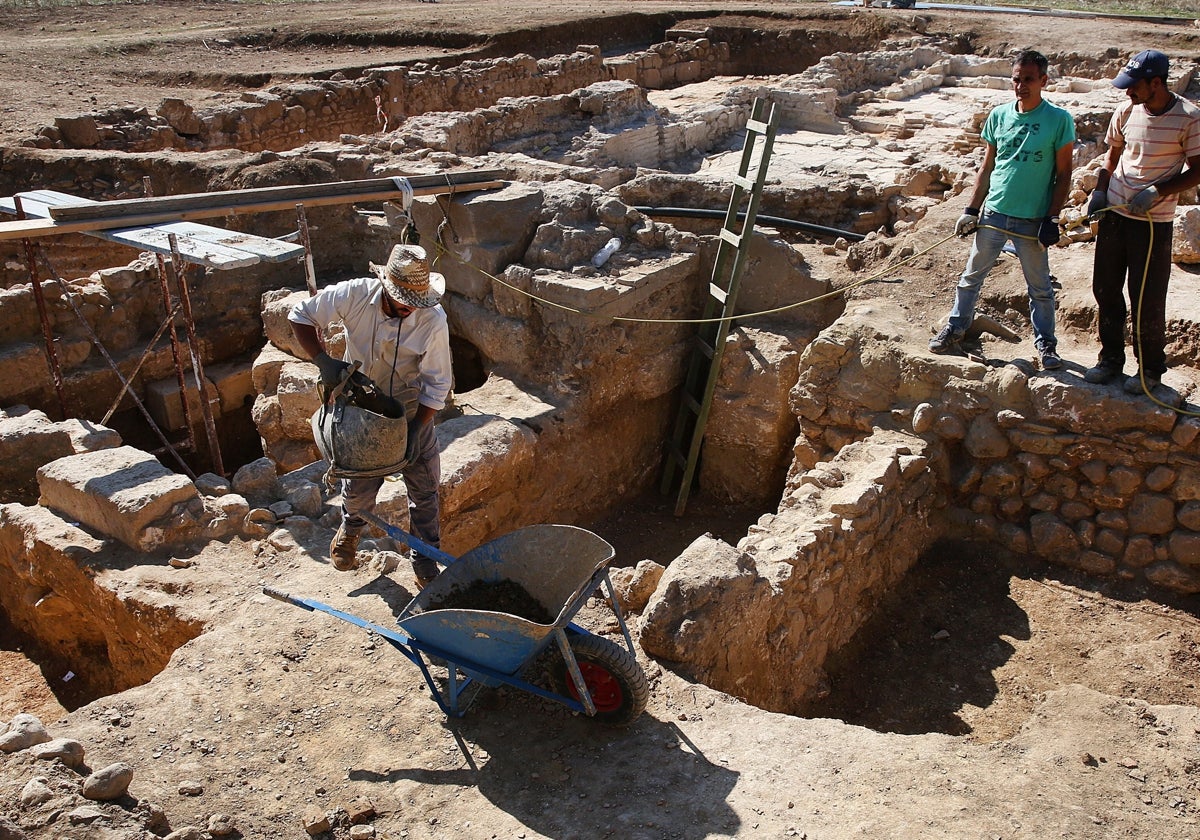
{"type": "Point", "coordinates": [948, 340]}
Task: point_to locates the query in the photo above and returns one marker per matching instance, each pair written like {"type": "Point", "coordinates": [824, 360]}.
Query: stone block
{"type": "Point", "coordinates": [1150, 513]}
{"type": "Point", "coordinates": [1170, 575]}
{"type": "Point", "coordinates": [275, 308]}
{"type": "Point", "coordinates": [1184, 548]}
{"type": "Point", "coordinates": [234, 382]}
{"type": "Point", "coordinates": [1095, 409]}
{"type": "Point", "coordinates": [120, 492]}
{"type": "Point", "coordinates": [28, 439]}
{"type": "Point", "coordinates": [78, 132]}
{"type": "Point", "coordinates": [164, 405]}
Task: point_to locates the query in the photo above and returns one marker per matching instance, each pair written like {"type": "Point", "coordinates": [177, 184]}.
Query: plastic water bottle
{"type": "Point", "coordinates": [610, 247]}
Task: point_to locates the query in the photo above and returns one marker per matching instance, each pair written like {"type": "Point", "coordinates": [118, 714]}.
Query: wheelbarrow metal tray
{"type": "Point", "coordinates": [555, 564]}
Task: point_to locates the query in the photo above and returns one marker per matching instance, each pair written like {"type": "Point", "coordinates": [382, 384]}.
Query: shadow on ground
{"type": "Point", "coordinates": [932, 645]}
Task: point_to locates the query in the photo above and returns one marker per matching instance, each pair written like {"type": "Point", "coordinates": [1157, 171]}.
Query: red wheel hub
{"type": "Point", "coordinates": [601, 684]}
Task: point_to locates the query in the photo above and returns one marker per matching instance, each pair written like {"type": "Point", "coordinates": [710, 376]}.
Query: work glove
{"type": "Point", "coordinates": [412, 447]}
{"type": "Point", "coordinates": [332, 370]}
{"type": "Point", "coordinates": [967, 222]}
{"type": "Point", "coordinates": [1098, 202]}
{"type": "Point", "coordinates": [1139, 205]}
{"type": "Point", "coordinates": [1048, 232]}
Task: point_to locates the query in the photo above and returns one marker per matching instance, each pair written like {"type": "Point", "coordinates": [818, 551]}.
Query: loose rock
{"type": "Point", "coordinates": [108, 783]}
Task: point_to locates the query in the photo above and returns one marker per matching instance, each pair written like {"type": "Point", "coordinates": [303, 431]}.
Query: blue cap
{"type": "Point", "coordinates": [1145, 65]}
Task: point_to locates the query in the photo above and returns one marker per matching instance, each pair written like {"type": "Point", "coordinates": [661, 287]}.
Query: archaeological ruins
{"type": "Point", "coordinates": [856, 450]}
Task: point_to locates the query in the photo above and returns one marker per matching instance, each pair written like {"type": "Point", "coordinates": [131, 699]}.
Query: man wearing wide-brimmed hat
{"type": "Point", "coordinates": [396, 328]}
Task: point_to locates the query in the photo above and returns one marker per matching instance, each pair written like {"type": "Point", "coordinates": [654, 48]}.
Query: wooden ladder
{"type": "Point", "coordinates": [708, 346]}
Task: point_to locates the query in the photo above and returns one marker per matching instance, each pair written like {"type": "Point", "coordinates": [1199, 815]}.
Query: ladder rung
{"type": "Point", "coordinates": [717, 292]}
{"type": "Point", "coordinates": [732, 238]}
{"type": "Point", "coordinates": [757, 126]}
{"type": "Point", "coordinates": [703, 346]}
{"type": "Point", "coordinates": [743, 183]}
{"type": "Point", "coordinates": [692, 403]}
{"type": "Point", "coordinates": [677, 456]}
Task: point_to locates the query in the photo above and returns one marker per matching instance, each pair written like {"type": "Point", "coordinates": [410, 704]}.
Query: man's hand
{"type": "Point", "coordinates": [967, 222]}
{"type": "Point", "coordinates": [1140, 204]}
{"type": "Point", "coordinates": [332, 370]}
{"type": "Point", "coordinates": [1097, 203]}
{"type": "Point", "coordinates": [1048, 232]}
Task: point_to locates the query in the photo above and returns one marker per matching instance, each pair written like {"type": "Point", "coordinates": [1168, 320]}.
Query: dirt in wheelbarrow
{"type": "Point", "coordinates": [506, 596]}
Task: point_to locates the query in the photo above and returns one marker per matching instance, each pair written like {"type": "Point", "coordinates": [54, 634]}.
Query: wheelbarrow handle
{"type": "Point", "coordinates": [280, 595]}
{"type": "Point", "coordinates": [422, 548]}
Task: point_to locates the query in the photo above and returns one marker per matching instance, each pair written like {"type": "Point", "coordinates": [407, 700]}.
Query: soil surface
{"type": "Point", "coordinates": [504, 596]}
{"type": "Point", "coordinates": [993, 697]}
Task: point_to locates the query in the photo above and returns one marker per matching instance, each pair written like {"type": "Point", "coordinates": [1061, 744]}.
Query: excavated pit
{"type": "Point", "coordinates": [839, 451]}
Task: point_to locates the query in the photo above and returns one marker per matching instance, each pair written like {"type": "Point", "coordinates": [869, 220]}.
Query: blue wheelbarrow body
{"type": "Point", "coordinates": [560, 566]}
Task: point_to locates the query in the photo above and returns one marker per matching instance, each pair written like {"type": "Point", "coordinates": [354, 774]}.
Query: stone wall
{"type": "Point", "coordinates": [758, 620]}
{"type": "Point", "coordinates": [286, 116]}
{"type": "Point", "coordinates": [1044, 463]}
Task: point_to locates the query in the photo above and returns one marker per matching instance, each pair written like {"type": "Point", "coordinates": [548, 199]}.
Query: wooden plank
{"type": "Point", "coordinates": [200, 244]}
{"type": "Point", "coordinates": [49, 227]}
{"type": "Point", "coordinates": [308, 194]}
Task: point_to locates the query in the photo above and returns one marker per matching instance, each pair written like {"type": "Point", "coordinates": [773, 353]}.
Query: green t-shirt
{"type": "Point", "coordinates": [1026, 143]}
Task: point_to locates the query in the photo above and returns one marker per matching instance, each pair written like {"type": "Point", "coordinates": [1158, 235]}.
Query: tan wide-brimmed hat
{"type": "Point", "coordinates": [407, 278]}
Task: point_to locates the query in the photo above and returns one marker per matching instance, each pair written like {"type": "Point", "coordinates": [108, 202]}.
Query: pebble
{"type": "Point", "coordinates": [66, 750]}
{"type": "Point", "coordinates": [36, 791]}
{"type": "Point", "coordinates": [190, 787]}
{"type": "Point", "coordinates": [221, 825]}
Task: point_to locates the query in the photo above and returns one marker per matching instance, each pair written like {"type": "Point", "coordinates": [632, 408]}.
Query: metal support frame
{"type": "Point", "coordinates": [43, 316]}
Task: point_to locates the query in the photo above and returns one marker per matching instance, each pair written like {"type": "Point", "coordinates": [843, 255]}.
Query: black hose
{"type": "Point", "coordinates": [702, 213]}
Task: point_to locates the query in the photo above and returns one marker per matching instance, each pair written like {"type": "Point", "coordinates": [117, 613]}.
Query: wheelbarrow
{"type": "Point", "coordinates": [560, 566]}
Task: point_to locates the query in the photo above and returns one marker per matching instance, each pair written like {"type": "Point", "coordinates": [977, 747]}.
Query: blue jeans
{"type": "Point", "coordinates": [424, 507]}
{"type": "Point", "coordinates": [1034, 263]}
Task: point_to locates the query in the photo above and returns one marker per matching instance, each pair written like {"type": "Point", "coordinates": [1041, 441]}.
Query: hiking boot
{"type": "Point", "coordinates": [1103, 373]}
{"type": "Point", "coordinates": [1051, 360]}
{"type": "Point", "coordinates": [343, 550]}
{"type": "Point", "coordinates": [948, 340]}
{"type": "Point", "coordinates": [422, 576]}
{"type": "Point", "coordinates": [1133, 385]}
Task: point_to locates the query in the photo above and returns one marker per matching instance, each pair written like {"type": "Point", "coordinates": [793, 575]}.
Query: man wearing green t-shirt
{"type": "Point", "coordinates": [1021, 186]}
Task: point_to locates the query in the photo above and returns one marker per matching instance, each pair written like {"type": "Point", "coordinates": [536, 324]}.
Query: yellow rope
{"type": "Point", "coordinates": [871, 278]}
{"type": "Point", "coordinates": [441, 249]}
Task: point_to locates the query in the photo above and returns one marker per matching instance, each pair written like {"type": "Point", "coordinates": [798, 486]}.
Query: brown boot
{"type": "Point", "coordinates": [343, 551]}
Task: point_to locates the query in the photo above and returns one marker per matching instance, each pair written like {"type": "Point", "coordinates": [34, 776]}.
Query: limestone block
{"type": "Point", "coordinates": [985, 440]}
{"type": "Point", "coordinates": [264, 373]}
{"type": "Point", "coordinates": [299, 397]}
{"type": "Point", "coordinates": [1139, 552]}
{"type": "Point", "coordinates": [1095, 409]}
{"type": "Point", "coordinates": [635, 585]}
{"type": "Point", "coordinates": [1150, 513]}
{"type": "Point", "coordinates": [257, 481]}
{"type": "Point", "coordinates": [1171, 575]}
{"type": "Point", "coordinates": [303, 495]}
{"type": "Point", "coordinates": [234, 382]}
{"type": "Point", "coordinates": [28, 439]}
{"type": "Point", "coordinates": [67, 751]}
{"type": "Point", "coordinates": [275, 308]}
{"type": "Point", "coordinates": [18, 314]}
{"type": "Point", "coordinates": [108, 783]}
{"type": "Point", "coordinates": [180, 116]}
{"type": "Point", "coordinates": [87, 436]}
{"type": "Point", "coordinates": [23, 369]}
{"type": "Point", "coordinates": [751, 429]}
{"type": "Point", "coordinates": [1052, 538]}
{"type": "Point", "coordinates": [1184, 548]}
{"type": "Point", "coordinates": [120, 492]}
{"type": "Point", "coordinates": [1187, 485]}
{"type": "Point", "coordinates": [24, 731]}
{"type": "Point", "coordinates": [1185, 247]}
{"type": "Point", "coordinates": [162, 400]}
{"type": "Point", "coordinates": [79, 132]}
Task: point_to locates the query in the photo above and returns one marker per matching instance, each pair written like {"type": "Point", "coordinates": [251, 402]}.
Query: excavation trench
{"type": "Point", "coordinates": [838, 450]}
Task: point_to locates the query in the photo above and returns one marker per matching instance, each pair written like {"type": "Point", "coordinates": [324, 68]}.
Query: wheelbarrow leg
{"type": "Point", "coordinates": [616, 608]}
{"type": "Point", "coordinates": [568, 656]}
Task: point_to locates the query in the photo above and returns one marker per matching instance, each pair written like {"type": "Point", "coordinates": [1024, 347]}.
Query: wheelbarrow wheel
{"type": "Point", "coordinates": [613, 677]}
